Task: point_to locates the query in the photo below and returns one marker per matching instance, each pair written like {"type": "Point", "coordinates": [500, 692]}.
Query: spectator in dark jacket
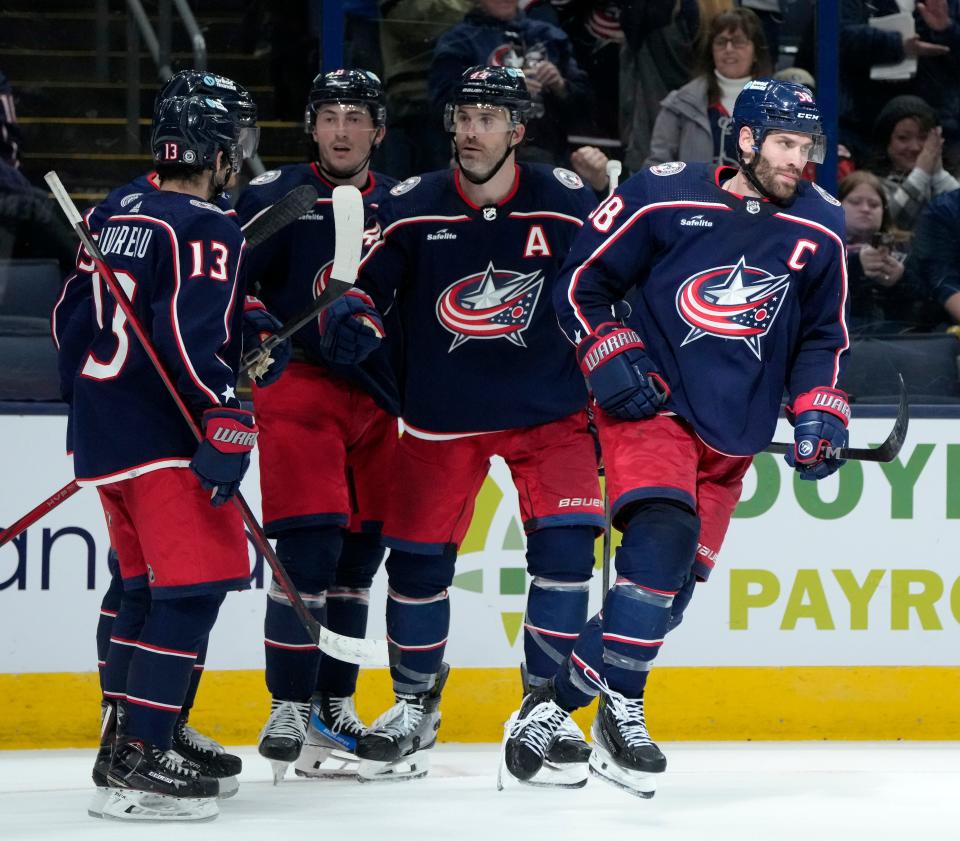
{"type": "Point", "coordinates": [31, 224]}
{"type": "Point", "coordinates": [881, 301]}
{"type": "Point", "coordinates": [936, 46]}
{"type": "Point", "coordinates": [935, 254]}
{"type": "Point", "coordinates": [497, 33]}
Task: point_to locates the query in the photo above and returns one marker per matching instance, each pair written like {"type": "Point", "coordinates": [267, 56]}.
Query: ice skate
{"type": "Point", "coordinates": [149, 784]}
{"type": "Point", "coordinates": [542, 745]}
{"type": "Point", "coordinates": [101, 765]}
{"type": "Point", "coordinates": [209, 756]}
{"type": "Point", "coordinates": [395, 746]}
{"type": "Point", "coordinates": [332, 734]}
{"type": "Point", "coordinates": [623, 752]}
{"type": "Point", "coordinates": [283, 735]}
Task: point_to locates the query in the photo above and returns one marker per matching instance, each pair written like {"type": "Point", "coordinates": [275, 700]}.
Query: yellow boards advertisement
{"type": "Point", "coordinates": [834, 610]}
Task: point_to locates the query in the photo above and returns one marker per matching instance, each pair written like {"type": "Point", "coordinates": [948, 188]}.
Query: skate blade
{"type": "Point", "coordinates": [573, 775]}
{"type": "Point", "coordinates": [504, 778]}
{"type": "Point", "coordinates": [131, 805]}
{"type": "Point", "coordinates": [326, 764]}
{"type": "Point", "coordinates": [98, 801]}
{"type": "Point", "coordinates": [636, 783]}
{"type": "Point", "coordinates": [229, 786]}
{"type": "Point", "coordinates": [568, 775]}
{"type": "Point", "coordinates": [405, 768]}
{"type": "Point", "coordinates": [279, 768]}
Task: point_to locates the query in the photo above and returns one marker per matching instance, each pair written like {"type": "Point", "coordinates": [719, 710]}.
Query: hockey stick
{"type": "Point", "coordinates": [614, 168]}
{"type": "Point", "coordinates": [886, 452]}
{"type": "Point", "coordinates": [348, 229]}
{"type": "Point", "coordinates": [263, 226]}
{"type": "Point", "coordinates": [347, 649]}
{"type": "Point", "coordinates": [40, 511]}
{"type": "Point", "coordinates": [278, 215]}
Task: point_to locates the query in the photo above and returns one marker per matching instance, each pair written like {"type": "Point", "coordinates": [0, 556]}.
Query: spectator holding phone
{"type": "Point", "coordinates": [879, 299]}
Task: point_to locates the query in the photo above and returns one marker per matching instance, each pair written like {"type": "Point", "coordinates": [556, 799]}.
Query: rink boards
{"type": "Point", "coordinates": [833, 612]}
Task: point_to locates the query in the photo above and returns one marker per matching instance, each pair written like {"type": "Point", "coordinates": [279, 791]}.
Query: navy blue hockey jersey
{"type": "Point", "coordinates": [72, 321]}
{"type": "Point", "coordinates": [178, 258]}
{"type": "Point", "coordinates": [734, 297]}
{"type": "Point", "coordinates": [472, 289]}
{"type": "Point", "coordinates": [291, 269]}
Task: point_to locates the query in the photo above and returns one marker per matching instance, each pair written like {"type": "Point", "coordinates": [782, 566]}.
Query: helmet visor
{"type": "Point", "coordinates": [248, 141]}
{"type": "Point", "coordinates": [818, 151]}
{"type": "Point", "coordinates": [482, 118]}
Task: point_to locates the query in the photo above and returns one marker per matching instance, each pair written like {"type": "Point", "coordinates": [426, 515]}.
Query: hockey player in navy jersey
{"type": "Point", "coordinates": [328, 434]}
{"type": "Point", "coordinates": [73, 324]}
{"type": "Point", "coordinates": [466, 262]}
{"type": "Point", "coordinates": [178, 257]}
{"type": "Point", "coordinates": [737, 282]}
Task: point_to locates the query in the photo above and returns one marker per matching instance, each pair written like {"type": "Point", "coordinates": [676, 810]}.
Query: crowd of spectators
{"type": "Point", "coordinates": [649, 81]}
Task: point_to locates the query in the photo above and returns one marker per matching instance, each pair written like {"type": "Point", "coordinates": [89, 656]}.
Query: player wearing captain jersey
{"type": "Point", "coordinates": [328, 434]}
{"type": "Point", "coordinates": [74, 324]}
{"type": "Point", "coordinates": [466, 263]}
{"type": "Point", "coordinates": [738, 288]}
{"type": "Point", "coordinates": [178, 257]}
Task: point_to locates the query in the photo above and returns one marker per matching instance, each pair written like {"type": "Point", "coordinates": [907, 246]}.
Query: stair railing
{"type": "Point", "coordinates": [138, 25]}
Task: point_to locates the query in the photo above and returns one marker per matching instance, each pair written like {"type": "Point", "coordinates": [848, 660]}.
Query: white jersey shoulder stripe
{"type": "Point", "coordinates": [610, 240]}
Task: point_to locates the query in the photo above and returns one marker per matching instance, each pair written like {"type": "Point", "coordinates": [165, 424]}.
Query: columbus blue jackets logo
{"type": "Point", "coordinates": [732, 302]}
{"type": "Point", "coordinates": [493, 304]}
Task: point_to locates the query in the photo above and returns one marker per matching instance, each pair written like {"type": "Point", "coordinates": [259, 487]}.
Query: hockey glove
{"type": "Point", "coordinates": [223, 455]}
{"type": "Point", "coordinates": [819, 419]}
{"type": "Point", "coordinates": [621, 376]}
{"type": "Point", "coordinates": [350, 329]}
{"type": "Point", "coordinates": [258, 326]}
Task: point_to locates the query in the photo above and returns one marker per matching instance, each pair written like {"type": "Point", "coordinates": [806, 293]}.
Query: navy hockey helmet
{"type": "Point", "coordinates": [202, 83]}
{"type": "Point", "coordinates": [503, 87]}
{"type": "Point", "coordinates": [235, 96]}
{"type": "Point", "coordinates": [346, 87]}
{"type": "Point", "coordinates": [766, 105]}
{"type": "Point", "coordinates": [191, 130]}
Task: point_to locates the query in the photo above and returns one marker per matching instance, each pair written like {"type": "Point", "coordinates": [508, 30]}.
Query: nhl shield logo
{"type": "Point", "coordinates": [753, 206]}
{"type": "Point", "coordinates": [732, 302]}
{"type": "Point", "coordinates": [493, 304]}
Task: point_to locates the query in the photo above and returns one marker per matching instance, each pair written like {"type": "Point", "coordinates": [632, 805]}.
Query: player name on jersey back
{"type": "Point", "coordinates": [128, 240]}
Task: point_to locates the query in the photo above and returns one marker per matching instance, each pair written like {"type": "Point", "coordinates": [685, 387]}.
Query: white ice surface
{"type": "Point", "coordinates": [811, 791]}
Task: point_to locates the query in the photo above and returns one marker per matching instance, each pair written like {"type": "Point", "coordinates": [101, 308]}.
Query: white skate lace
{"type": "Point", "coordinates": [172, 761]}
{"type": "Point", "coordinates": [345, 718]}
{"type": "Point", "coordinates": [198, 741]}
{"type": "Point", "coordinates": [288, 719]}
{"type": "Point", "coordinates": [630, 720]}
{"type": "Point", "coordinates": [538, 727]}
{"type": "Point", "coordinates": [570, 731]}
{"type": "Point", "coordinates": [402, 718]}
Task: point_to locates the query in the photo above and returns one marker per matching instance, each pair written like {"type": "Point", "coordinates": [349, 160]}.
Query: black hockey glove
{"type": "Point", "coordinates": [621, 376]}
{"type": "Point", "coordinates": [258, 326]}
{"type": "Point", "coordinates": [223, 455]}
{"type": "Point", "coordinates": [819, 419]}
{"type": "Point", "coordinates": [350, 329]}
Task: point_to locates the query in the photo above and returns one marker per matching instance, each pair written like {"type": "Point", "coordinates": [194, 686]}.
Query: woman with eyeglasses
{"type": "Point", "coordinates": [694, 123]}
